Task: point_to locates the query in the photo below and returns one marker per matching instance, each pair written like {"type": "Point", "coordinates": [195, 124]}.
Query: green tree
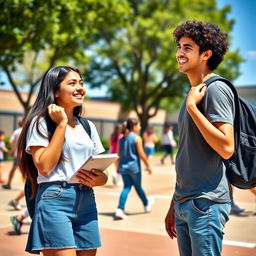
{"type": "Point", "coordinates": [138, 61]}
{"type": "Point", "coordinates": [35, 35]}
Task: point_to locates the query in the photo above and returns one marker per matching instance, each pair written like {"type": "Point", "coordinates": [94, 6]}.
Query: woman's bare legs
{"type": "Point", "coordinates": [87, 252]}
{"type": "Point", "coordinates": [253, 190]}
{"type": "Point", "coordinates": [59, 252]}
{"type": "Point", "coordinates": [68, 252]}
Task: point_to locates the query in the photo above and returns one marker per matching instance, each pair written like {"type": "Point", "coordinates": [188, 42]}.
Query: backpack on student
{"type": "Point", "coordinates": [241, 167]}
{"type": "Point", "coordinates": [30, 202]}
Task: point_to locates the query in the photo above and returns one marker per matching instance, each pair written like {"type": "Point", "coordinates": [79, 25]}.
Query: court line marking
{"type": "Point", "coordinates": [225, 242]}
{"type": "Point", "coordinates": [240, 244]}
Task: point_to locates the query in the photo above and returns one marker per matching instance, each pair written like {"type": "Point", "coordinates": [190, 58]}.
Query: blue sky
{"type": "Point", "coordinates": [244, 37]}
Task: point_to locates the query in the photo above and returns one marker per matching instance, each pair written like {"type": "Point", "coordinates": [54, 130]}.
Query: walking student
{"type": "Point", "coordinates": [169, 143]}
{"type": "Point", "coordinates": [113, 144]}
{"type": "Point", "coordinates": [3, 149]}
{"type": "Point", "coordinates": [13, 143]}
{"type": "Point", "coordinates": [53, 145]}
{"type": "Point", "coordinates": [131, 152]}
{"type": "Point", "coordinates": [201, 202]}
{"type": "Point", "coordinates": [17, 221]}
{"type": "Point", "coordinates": [150, 139]}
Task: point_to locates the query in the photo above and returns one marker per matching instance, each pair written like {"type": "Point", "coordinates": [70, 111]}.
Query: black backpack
{"type": "Point", "coordinates": [30, 202]}
{"type": "Point", "coordinates": [241, 167]}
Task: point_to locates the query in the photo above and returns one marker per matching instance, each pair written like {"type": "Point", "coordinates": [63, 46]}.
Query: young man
{"type": "Point", "coordinates": [201, 202]}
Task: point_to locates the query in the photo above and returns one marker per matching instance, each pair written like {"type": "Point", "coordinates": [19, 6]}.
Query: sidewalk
{"type": "Point", "coordinates": [140, 234]}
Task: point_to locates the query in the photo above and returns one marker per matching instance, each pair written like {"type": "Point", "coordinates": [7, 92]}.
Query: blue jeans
{"type": "Point", "coordinates": [132, 179]}
{"type": "Point", "coordinates": [200, 226]}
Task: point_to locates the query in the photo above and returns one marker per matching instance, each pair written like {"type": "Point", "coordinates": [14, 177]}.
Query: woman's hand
{"type": "Point", "coordinates": [149, 170]}
{"type": "Point", "coordinates": [92, 178]}
{"type": "Point", "coordinates": [57, 114]}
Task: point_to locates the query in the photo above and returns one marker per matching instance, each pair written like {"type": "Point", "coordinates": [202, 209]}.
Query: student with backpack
{"type": "Point", "coordinates": [53, 145]}
{"type": "Point", "coordinates": [200, 205]}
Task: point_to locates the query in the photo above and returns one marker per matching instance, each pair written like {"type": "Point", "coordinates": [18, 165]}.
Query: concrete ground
{"type": "Point", "coordinates": [140, 234]}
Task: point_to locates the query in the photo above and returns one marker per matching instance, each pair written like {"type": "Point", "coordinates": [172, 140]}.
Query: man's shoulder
{"type": "Point", "coordinates": [218, 88]}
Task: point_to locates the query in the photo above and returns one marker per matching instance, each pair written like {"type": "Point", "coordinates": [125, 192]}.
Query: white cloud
{"type": "Point", "coordinates": [252, 54]}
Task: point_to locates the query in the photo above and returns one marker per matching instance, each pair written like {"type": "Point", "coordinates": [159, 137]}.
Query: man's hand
{"type": "Point", "coordinates": [195, 95]}
{"type": "Point", "coordinates": [170, 222]}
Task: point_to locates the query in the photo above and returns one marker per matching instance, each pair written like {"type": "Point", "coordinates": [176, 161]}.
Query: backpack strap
{"type": "Point", "coordinates": [51, 126]}
{"type": "Point", "coordinates": [237, 108]}
{"type": "Point", "coordinates": [220, 78]}
{"type": "Point", "coordinates": [85, 124]}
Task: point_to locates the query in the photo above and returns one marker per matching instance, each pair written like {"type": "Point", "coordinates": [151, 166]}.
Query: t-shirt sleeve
{"type": "Point", "coordinates": [219, 103]}
{"type": "Point", "coordinates": [97, 145]}
{"type": "Point", "coordinates": [2, 145]}
{"type": "Point", "coordinates": [13, 136]}
{"type": "Point", "coordinates": [33, 136]}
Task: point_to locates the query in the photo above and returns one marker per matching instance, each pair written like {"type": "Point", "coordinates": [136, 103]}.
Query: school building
{"type": "Point", "coordinates": [104, 114]}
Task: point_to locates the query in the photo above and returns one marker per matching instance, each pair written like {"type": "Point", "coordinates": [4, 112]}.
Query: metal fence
{"type": "Point", "coordinates": [9, 122]}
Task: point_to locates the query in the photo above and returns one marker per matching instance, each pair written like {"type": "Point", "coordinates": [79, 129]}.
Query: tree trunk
{"type": "Point", "coordinates": [144, 117]}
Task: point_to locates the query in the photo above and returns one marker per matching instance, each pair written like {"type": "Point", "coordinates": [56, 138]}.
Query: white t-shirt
{"type": "Point", "coordinates": [77, 148]}
{"type": "Point", "coordinates": [168, 138]}
{"type": "Point", "coordinates": [2, 145]}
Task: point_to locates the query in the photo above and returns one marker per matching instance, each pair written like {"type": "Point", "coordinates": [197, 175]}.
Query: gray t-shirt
{"type": "Point", "coordinates": [200, 170]}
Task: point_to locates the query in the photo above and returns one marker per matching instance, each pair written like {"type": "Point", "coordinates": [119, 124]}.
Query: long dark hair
{"type": "Point", "coordinates": [49, 86]}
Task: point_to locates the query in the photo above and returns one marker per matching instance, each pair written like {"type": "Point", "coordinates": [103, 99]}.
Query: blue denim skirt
{"type": "Point", "coordinates": [65, 217]}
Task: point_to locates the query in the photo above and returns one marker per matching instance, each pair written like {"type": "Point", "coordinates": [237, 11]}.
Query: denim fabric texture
{"type": "Point", "coordinates": [65, 217]}
{"type": "Point", "coordinates": [200, 226]}
{"type": "Point", "coordinates": [149, 151]}
{"type": "Point", "coordinates": [132, 179]}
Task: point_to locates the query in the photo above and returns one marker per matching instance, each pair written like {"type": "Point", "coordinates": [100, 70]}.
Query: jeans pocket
{"type": "Point", "coordinates": [201, 205]}
{"type": "Point", "coordinates": [52, 192]}
{"type": "Point", "coordinates": [224, 210]}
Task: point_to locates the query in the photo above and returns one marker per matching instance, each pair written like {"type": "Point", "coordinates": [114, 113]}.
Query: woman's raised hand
{"type": "Point", "coordinates": [57, 114]}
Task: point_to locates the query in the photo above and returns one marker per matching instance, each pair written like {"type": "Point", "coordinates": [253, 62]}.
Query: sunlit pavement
{"type": "Point", "coordinates": [141, 233]}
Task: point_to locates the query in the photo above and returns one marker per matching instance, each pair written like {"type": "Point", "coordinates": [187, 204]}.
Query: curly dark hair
{"type": "Point", "coordinates": [207, 36]}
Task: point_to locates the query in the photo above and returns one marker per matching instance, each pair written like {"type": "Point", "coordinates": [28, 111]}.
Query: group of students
{"type": "Point", "coordinates": [149, 139]}
{"type": "Point", "coordinates": [53, 144]}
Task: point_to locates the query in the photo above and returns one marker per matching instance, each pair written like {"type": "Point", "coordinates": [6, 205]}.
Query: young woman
{"type": "Point", "coordinates": [113, 145]}
{"type": "Point", "coordinates": [52, 146]}
{"type": "Point", "coordinates": [130, 153]}
{"type": "Point", "coordinates": [150, 139]}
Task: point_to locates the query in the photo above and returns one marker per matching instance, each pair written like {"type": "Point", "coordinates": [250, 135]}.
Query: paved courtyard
{"type": "Point", "coordinates": [140, 234]}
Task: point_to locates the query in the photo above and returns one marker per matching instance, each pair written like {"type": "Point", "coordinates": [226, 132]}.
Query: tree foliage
{"type": "Point", "coordinates": [124, 44]}
{"type": "Point", "coordinates": [35, 35]}
{"type": "Point", "coordinates": [138, 61]}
